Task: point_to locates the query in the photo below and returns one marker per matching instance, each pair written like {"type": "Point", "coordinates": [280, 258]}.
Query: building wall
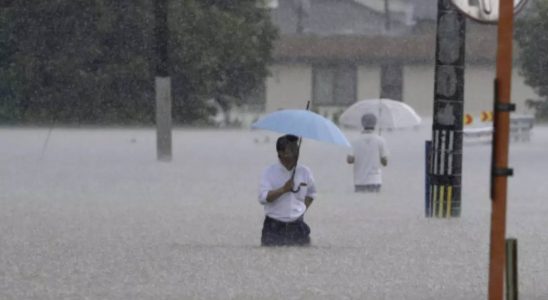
{"type": "Point", "coordinates": [418, 89]}
{"type": "Point", "coordinates": [369, 82]}
{"type": "Point", "coordinates": [288, 86]}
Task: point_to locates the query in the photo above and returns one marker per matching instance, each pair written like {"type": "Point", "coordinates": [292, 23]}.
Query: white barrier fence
{"type": "Point", "coordinates": [520, 131]}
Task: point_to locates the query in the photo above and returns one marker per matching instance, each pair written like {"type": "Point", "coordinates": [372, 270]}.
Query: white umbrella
{"type": "Point", "coordinates": [391, 114]}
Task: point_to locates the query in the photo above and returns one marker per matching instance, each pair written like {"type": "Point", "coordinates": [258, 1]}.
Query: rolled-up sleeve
{"type": "Point", "coordinates": [311, 190]}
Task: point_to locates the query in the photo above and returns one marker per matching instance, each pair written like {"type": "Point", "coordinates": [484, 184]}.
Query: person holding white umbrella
{"type": "Point", "coordinates": [370, 155]}
{"type": "Point", "coordinates": [391, 114]}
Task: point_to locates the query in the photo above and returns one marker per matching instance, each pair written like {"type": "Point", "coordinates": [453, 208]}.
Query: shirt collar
{"type": "Point", "coordinates": [282, 167]}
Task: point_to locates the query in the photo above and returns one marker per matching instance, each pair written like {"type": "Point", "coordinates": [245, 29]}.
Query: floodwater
{"type": "Point", "coordinates": [93, 215]}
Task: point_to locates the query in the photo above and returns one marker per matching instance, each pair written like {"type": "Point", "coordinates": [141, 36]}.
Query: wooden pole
{"type": "Point", "coordinates": [500, 170]}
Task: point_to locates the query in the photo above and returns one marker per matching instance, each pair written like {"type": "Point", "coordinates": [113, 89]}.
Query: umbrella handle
{"type": "Point", "coordinates": [292, 178]}
{"type": "Point", "coordinates": [297, 190]}
{"type": "Point", "coordinates": [380, 116]}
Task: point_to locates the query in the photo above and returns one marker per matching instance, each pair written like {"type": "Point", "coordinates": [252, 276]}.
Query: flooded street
{"type": "Point", "coordinates": [95, 216]}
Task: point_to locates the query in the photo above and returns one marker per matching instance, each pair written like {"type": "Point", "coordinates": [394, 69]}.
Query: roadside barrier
{"type": "Point", "coordinates": [520, 129]}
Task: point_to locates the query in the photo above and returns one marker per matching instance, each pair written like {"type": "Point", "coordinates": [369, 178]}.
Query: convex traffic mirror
{"type": "Point", "coordinates": [486, 11]}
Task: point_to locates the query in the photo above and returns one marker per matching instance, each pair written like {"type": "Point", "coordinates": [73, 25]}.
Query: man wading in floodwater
{"type": "Point", "coordinates": [370, 154]}
{"type": "Point", "coordinates": [286, 197]}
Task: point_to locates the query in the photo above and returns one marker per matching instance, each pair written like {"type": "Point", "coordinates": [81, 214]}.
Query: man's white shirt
{"type": "Point", "coordinates": [368, 150]}
{"type": "Point", "coordinates": [289, 206]}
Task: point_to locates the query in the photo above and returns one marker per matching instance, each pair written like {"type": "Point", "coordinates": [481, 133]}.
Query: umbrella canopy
{"type": "Point", "coordinates": [303, 123]}
{"type": "Point", "coordinates": [391, 114]}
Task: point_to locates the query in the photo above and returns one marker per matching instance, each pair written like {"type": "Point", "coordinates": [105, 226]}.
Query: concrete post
{"type": "Point", "coordinates": [446, 155]}
{"type": "Point", "coordinates": [162, 82]}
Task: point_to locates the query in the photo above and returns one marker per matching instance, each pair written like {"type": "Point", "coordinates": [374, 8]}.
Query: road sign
{"type": "Point", "coordinates": [486, 116]}
{"type": "Point", "coordinates": [468, 119]}
{"type": "Point", "coordinates": [486, 11]}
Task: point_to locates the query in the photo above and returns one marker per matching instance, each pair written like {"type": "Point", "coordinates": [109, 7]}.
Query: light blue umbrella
{"type": "Point", "coordinates": [302, 123]}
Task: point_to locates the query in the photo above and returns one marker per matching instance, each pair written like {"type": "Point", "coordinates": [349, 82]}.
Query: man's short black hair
{"type": "Point", "coordinates": [283, 141]}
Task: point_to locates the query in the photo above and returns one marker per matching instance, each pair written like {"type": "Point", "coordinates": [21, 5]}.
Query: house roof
{"type": "Point", "coordinates": [349, 17]}
{"type": "Point", "coordinates": [481, 41]}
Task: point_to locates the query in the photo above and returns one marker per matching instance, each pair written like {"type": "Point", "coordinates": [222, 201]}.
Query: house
{"type": "Point", "coordinates": [341, 17]}
{"type": "Point", "coordinates": [335, 52]}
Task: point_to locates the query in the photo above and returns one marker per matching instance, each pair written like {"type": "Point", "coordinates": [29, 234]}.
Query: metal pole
{"type": "Point", "coordinates": [427, 162]}
{"type": "Point", "coordinates": [386, 15]}
{"type": "Point", "coordinates": [300, 16]}
{"type": "Point", "coordinates": [500, 169]}
{"type": "Point", "coordinates": [162, 82]}
{"type": "Point", "coordinates": [512, 269]}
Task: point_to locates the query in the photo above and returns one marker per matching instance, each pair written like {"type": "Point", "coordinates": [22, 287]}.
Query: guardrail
{"type": "Point", "coordinates": [520, 127]}
{"type": "Point", "coordinates": [520, 131]}
{"type": "Point", "coordinates": [477, 135]}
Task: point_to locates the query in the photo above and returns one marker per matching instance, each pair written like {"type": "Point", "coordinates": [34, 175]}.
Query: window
{"type": "Point", "coordinates": [334, 84]}
{"type": "Point", "coordinates": [392, 81]}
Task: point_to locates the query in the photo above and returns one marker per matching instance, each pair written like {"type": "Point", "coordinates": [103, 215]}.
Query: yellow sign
{"type": "Point", "coordinates": [486, 116]}
{"type": "Point", "coordinates": [468, 119]}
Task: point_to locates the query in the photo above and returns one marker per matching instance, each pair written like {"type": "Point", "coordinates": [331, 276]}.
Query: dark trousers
{"type": "Point", "coordinates": [278, 233]}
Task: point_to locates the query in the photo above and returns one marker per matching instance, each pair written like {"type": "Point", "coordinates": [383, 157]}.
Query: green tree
{"type": "Point", "coordinates": [81, 61]}
{"type": "Point", "coordinates": [9, 107]}
{"type": "Point", "coordinates": [530, 34]}
{"type": "Point", "coordinates": [227, 42]}
{"type": "Point", "coordinates": [91, 61]}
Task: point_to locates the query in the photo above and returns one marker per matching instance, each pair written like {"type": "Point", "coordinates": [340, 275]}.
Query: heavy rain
{"type": "Point", "coordinates": [135, 135]}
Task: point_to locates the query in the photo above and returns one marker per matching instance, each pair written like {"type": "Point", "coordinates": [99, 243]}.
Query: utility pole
{"type": "Point", "coordinates": [300, 16]}
{"type": "Point", "coordinates": [499, 164]}
{"type": "Point", "coordinates": [501, 11]}
{"type": "Point", "coordinates": [444, 191]}
{"type": "Point", "coordinates": [386, 16]}
{"type": "Point", "coordinates": [162, 82]}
